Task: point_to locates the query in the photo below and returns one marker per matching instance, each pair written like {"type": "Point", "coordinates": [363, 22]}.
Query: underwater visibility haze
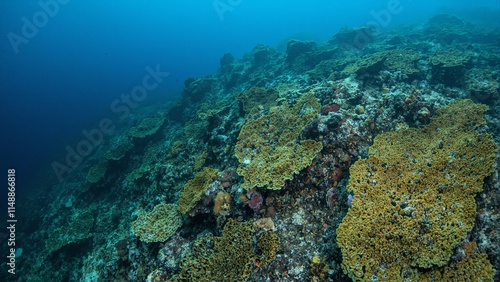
{"type": "Point", "coordinates": [233, 140]}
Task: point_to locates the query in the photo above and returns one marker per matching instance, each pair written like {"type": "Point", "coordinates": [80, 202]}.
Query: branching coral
{"type": "Point", "coordinates": [268, 147]}
{"type": "Point", "coordinates": [414, 196]}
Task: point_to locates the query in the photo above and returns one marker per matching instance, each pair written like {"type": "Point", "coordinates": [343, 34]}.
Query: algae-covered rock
{"type": "Point", "coordinates": [353, 37]}
{"type": "Point", "coordinates": [226, 62]}
{"type": "Point", "coordinates": [403, 61]}
{"type": "Point", "coordinates": [369, 65]}
{"type": "Point", "coordinates": [414, 196]}
{"type": "Point", "coordinates": [263, 55]}
{"type": "Point", "coordinates": [326, 69]}
{"type": "Point", "coordinates": [200, 159]}
{"type": "Point", "coordinates": [448, 29]}
{"type": "Point", "coordinates": [208, 111]}
{"type": "Point", "coordinates": [197, 88]}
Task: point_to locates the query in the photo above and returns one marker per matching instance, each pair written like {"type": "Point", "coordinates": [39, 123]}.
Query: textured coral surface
{"type": "Point", "coordinates": [414, 195]}
{"type": "Point", "coordinates": [158, 225]}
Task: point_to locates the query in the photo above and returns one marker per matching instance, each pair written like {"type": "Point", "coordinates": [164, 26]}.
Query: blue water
{"type": "Point", "coordinates": [61, 78]}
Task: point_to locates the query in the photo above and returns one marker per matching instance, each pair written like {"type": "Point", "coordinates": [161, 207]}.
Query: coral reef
{"type": "Point", "coordinates": [448, 29]}
{"type": "Point", "coordinates": [353, 37]}
{"type": "Point", "coordinates": [476, 267]}
{"type": "Point", "coordinates": [255, 200]}
{"type": "Point", "coordinates": [268, 148]}
{"type": "Point", "coordinates": [319, 270]}
{"type": "Point", "coordinates": [158, 225]}
{"type": "Point", "coordinates": [295, 48]}
{"type": "Point", "coordinates": [197, 88]}
{"type": "Point", "coordinates": [414, 195]}
{"type": "Point", "coordinates": [200, 160]}
{"type": "Point", "coordinates": [226, 62]}
{"type": "Point", "coordinates": [371, 64]}
{"type": "Point", "coordinates": [209, 111]}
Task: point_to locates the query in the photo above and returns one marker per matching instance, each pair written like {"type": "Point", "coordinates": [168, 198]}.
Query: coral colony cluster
{"type": "Point", "coordinates": [325, 162]}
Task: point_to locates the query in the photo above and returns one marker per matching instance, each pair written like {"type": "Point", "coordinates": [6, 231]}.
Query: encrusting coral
{"type": "Point", "coordinates": [265, 223]}
{"type": "Point", "coordinates": [222, 202]}
{"type": "Point", "coordinates": [449, 66]}
{"type": "Point", "coordinates": [97, 172]}
{"type": "Point", "coordinates": [158, 225]}
{"type": "Point", "coordinates": [269, 244]}
{"type": "Point", "coordinates": [118, 152]}
{"type": "Point", "coordinates": [393, 60]}
{"type": "Point", "coordinates": [268, 149]}
{"type": "Point", "coordinates": [414, 198]}
{"type": "Point", "coordinates": [194, 189]}
{"type": "Point", "coordinates": [77, 229]}
{"type": "Point", "coordinates": [231, 258]}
